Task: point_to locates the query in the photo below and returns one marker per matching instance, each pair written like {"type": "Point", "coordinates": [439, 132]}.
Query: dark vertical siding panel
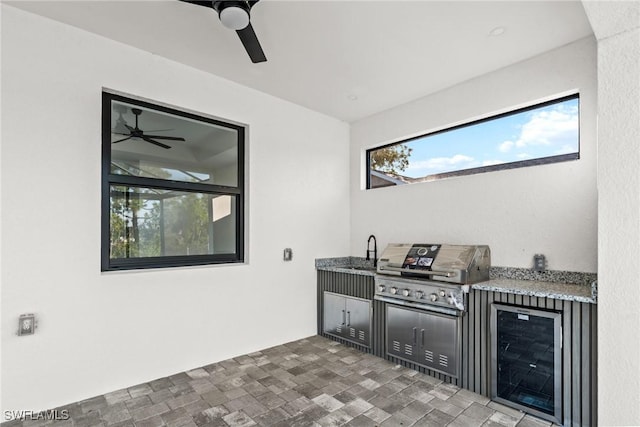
{"type": "Point", "coordinates": [482, 329]}
{"type": "Point", "coordinates": [476, 343]}
{"type": "Point", "coordinates": [319, 308]}
{"type": "Point", "coordinates": [486, 374]}
{"type": "Point", "coordinates": [376, 328]}
{"type": "Point", "coordinates": [566, 361]}
{"type": "Point", "coordinates": [518, 299]}
{"type": "Point", "coordinates": [464, 368]}
{"type": "Point", "coordinates": [593, 399]}
{"type": "Point", "coordinates": [576, 359]}
{"type": "Point", "coordinates": [585, 363]}
{"type": "Point", "coordinates": [471, 341]}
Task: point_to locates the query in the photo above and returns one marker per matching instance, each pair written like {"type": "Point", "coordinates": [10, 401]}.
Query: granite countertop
{"type": "Point", "coordinates": [555, 290]}
{"type": "Point", "coordinates": [564, 285]}
{"type": "Point", "coordinates": [350, 265]}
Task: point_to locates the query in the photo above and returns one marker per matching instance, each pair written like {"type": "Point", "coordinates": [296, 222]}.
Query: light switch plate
{"type": "Point", "coordinates": [287, 255]}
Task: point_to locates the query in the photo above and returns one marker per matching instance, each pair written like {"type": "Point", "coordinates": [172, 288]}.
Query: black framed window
{"type": "Point", "coordinates": [172, 187]}
{"type": "Point", "coordinates": [539, 134]}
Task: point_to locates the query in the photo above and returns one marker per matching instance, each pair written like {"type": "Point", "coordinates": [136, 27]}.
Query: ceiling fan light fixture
{"type": "Point", "coordinates": [234, 14]}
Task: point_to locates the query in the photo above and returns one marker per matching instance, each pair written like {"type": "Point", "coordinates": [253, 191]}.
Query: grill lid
{"type": "Point", "coordinates": [463, 264]}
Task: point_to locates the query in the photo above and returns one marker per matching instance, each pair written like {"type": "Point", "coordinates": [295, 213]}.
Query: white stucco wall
{"type": "Point", "coordinates": [547, 209]}
{"type": "Point", "coordinates": [101, 332]}
{"type": "Point", "coordinates": [617, 27]}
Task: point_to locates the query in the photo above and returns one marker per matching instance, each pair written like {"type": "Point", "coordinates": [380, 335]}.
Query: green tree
{"type": "Point", "coordinates": [392, 160]}
{"type": "Point", "coordinates": [187, 224]}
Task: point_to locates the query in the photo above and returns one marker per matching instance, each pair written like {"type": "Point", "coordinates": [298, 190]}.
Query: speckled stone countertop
{"type": "Point", "coordinates": [535, 288]}
{"type": "Point", "coordinates": [565, 285]}
{"type": "Point", "coordinates": [349, 264]}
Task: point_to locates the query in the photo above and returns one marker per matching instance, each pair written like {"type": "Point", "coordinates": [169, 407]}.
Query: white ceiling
{"type": "Point", "coordinates": [323, 53]}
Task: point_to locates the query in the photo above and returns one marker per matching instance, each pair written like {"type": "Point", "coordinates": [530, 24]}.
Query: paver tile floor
{"type": "Point", "coordinates": [309, 382]}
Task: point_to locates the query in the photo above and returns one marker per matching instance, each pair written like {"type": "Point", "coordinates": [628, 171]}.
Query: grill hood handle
{"type": "Point", "coordinates": [421, 272]}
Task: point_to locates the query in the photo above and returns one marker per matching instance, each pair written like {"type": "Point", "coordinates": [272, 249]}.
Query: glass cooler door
{"type": "Point", "coordinates": [526, 360]}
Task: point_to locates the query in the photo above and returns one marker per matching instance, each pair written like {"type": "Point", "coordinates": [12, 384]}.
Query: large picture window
{"type": "Point", "coordinates": [172, 187]}
{"type": "Point", "coordinates": [540, 134]}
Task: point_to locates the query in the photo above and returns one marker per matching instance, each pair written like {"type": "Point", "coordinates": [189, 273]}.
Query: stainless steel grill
{"type": "Point", "coordinates": [424, 289]}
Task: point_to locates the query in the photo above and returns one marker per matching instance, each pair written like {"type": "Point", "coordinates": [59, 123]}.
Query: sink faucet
{"type": "Point", "coordinates": [375, 250]}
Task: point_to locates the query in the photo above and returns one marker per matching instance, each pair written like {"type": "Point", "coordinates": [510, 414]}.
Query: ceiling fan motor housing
{"type": "Point", "coordinates": [236, 16]}
{"type": "Point", "coordinates": [233, 14]}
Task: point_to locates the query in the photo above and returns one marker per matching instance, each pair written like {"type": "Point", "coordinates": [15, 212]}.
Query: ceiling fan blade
{"type": "Point", "coordinates": [129, 127]}
{"type": "Point", "coordinates": [204, 3]}
{"type": "Point", "coordinates": [120, 140]}
{"type": "Point", "coordinates": [171, 138]}
{"type": "Point", "coordinates": [251, 44]}
{"type": "Point", "coordinates": [159, 144]}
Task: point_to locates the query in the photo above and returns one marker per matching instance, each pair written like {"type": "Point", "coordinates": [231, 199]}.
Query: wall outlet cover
{"type": "Point", "coordinates": [26, 324]}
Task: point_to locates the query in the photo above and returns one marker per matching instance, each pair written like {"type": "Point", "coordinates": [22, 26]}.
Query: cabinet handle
{"type": "Point", "coordinates": [422, 337]}
{"type": "Point", "coordinates": [348, 318]}
{"type": "Point", "coordinates": [414, 336]}
{"type": "Point", "coordinates": [343, 317]}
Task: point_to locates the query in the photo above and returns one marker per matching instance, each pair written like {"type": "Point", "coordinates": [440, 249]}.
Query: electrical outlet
{"type": "Point", "coordinates": [287, 255]}
{"type": "Point", "coordinates": [26, 324]}
{"type": "Point", "coordinates": [539, 262]}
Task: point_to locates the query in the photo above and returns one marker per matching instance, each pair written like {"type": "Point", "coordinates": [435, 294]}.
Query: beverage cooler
{"type": "Point", "coordinates": [526, 360]}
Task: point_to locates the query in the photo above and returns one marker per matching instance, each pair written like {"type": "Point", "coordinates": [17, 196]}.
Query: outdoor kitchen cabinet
{"type": "Point", "coordinates": [358, 286]}
{"type": "Point", "coordinates": [426, 338]}
{"type": "Point", "coordinates": [347, 317]}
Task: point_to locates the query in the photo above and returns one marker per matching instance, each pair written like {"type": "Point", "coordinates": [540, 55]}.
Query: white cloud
{"type": "Point", "coordinates": [523, 156]}
{"type": "Point", "coordinates": [506, 146]}
{"type": "Point", "coordinates": [553, 127]}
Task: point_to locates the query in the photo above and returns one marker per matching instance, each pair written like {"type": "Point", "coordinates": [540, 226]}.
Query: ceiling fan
{"type": "Point", "coordinates": [135, 132]}
{"type": "Point", "coordinates": [236, 16]}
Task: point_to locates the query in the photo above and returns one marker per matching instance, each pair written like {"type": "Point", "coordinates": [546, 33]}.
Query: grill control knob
{"type": "Point", "coordinates": [406, 292]}
{"type": "Point", "coordinates": [442, 293]}
{"type": "Point", "coordinates": [394, 290]}
{"type": "Point", "coordinates": [433, 297]}
{"type": "Point", "coordinates": [381, 288]}
{"type": "Point", "coordinates": [419, 294]}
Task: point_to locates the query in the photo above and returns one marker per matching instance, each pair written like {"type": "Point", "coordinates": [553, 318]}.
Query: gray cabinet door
{"type": "Point", "coordinates": [358, 320]}
{"type": "Point", "coordinates": [334, 315]}
{"type": "Point", "coordinates": [402, 332]}
{"type": "Point", "coordinates": [438, 343]}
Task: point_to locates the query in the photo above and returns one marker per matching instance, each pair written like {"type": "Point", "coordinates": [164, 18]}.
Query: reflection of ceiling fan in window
{"type": "Point", "coordinates": [122, 128]}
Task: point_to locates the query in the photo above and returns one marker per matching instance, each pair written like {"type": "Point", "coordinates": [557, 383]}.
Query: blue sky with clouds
{"type": "Point", "coordinates": [541, 132]}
